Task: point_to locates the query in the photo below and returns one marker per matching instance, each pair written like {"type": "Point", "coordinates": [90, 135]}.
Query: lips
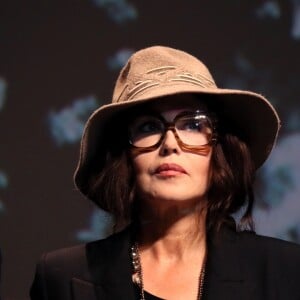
{"type": "Point", "coordinates": [170, 169]}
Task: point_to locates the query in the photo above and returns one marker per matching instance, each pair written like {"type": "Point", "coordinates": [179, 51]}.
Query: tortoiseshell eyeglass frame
{"type": "Point", "coordinates": [203, 149]}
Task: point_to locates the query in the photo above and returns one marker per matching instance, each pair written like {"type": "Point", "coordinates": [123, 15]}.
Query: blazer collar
{"type": "Point", "coordinates": [224, 278]}
{"type": "Point", "coordinates": [110, 265]}
{"type": "Point", "coordinates": [110, 268]}
{"type": "Point", "coordinates": [223, 255]}
{"type": "Point", "coordinates": [109, 271]}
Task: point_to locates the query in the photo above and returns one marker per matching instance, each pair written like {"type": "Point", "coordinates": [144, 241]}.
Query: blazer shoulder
{"type": "Point", "coordinates": [266, 242]}
{"type": "Point", "coordinates": [64, 257]}
{"type": "Point", "coordinates": [77, 258]}
{"type": "Point", "coordinates": [278, 251]}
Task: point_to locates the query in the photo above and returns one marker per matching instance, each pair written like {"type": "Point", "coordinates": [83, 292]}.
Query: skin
{"type": "Point", "coordinates": [172, 237]}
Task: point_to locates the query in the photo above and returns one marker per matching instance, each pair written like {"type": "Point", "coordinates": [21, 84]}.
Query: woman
{"type": "Point", "coordinates": [172, 158]}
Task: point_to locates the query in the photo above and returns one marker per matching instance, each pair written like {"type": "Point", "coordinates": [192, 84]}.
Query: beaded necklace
{"type": "Point", "coordinates": [138, 273]}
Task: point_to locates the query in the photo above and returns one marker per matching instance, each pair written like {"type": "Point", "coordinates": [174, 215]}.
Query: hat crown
{"type": "Point", "coordinates": [159, 66]}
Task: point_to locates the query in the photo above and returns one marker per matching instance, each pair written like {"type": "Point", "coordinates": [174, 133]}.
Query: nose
{"type": "Point", "coordinates": [169, 144]}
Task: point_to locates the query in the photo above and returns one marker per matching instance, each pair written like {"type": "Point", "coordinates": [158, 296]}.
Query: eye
{"type": "Point", "coordinates": [191, 124]}
{"type": "Point", "coordinates": [146, 126]}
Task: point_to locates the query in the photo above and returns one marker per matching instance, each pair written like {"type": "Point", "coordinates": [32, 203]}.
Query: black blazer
{"type": "Point", "coordinates": [240, 266]}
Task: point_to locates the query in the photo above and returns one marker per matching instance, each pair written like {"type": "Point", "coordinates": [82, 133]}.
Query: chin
{"type": "Point", "coordinates": [178, 198]}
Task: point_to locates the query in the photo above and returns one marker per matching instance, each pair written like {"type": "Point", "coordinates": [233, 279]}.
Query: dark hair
{"type": "Point", "coordinates": [111, 184]}
{"type": "Point", "coordinates": [230, 185]}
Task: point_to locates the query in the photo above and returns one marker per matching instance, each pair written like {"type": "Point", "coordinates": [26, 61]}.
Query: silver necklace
{"type": "Point", "coordinates": [138, 272]}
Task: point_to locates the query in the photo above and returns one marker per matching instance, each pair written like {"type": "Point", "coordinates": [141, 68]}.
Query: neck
{"type": "Point", "coordinates": [174, 233]}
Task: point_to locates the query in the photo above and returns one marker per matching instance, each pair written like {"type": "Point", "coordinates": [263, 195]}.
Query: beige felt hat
{"type": "Point", "coordinates": [153, 73]}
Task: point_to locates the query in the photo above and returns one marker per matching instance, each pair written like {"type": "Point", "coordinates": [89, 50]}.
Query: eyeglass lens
{"type": "Point", "coordinates": [194, 130]}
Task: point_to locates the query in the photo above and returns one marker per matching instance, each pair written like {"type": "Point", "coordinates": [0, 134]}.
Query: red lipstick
{"type": "Point", "coordinates": [169, 169]}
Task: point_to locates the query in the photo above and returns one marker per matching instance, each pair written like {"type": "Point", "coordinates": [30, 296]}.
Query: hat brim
{"type": "Point", "coordinates": [250, 112]}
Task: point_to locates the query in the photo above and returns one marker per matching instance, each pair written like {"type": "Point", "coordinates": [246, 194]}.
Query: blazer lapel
{"type": "Point", "coordinates": [224, 276]}
{"type": "Point", "coordinates": [85, 290]}
{"type": "Point", "coordinates": [110, 267]}
{"type": "Point", "coordinates": [110, 270]}
{"type": "Point", "coordinates": [82, 289]}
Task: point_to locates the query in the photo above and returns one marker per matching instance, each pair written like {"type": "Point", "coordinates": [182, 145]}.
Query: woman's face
{"type": "Point", "coordinates": [170, 174]}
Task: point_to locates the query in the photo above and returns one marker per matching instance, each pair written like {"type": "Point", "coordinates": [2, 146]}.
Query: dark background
{"type": "Point", "coordinates": [59, 60]}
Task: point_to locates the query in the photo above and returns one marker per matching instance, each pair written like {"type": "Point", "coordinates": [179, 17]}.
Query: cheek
{"type": "Point", "coordinates": [202, 170]}
{"type": "Point", "coordinates": [138, 165]}
{"type": "Point", "coordinates": [142, 179]}
{"type": "Point", "coordinates": [141, 169]}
